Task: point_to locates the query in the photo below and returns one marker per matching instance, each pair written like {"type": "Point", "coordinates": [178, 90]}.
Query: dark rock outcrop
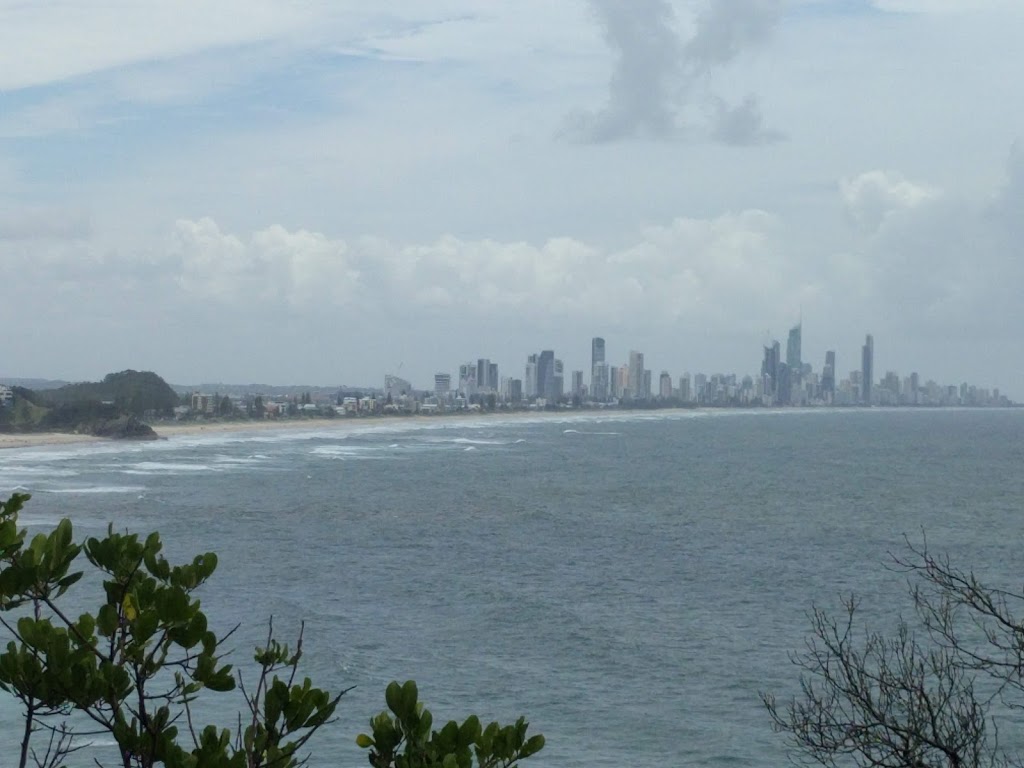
{"type": "Point", "coordinates": [121, 428]}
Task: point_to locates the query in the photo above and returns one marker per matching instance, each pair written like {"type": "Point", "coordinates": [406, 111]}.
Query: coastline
{"type": "Point", "coordinates": [168, 430]}
{"type": "Point", "coordinates": [165, 431]}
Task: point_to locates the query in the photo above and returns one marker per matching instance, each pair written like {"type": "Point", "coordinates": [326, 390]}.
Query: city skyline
{"type": "Point", "coordinates": [789, 381]}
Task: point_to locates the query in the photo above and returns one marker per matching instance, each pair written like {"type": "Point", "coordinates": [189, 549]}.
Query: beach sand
{"type": "Point", "coordinates": [45, 438]}
{"type": "Point", "coordinates": [340, 426]}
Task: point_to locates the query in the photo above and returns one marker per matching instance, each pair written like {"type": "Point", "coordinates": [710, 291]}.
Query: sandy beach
{"type": "Point", "coordinates": [341, 426]}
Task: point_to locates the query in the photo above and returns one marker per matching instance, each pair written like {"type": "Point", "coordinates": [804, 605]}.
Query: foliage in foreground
{"type": "Point", "coordinates": [926, 696]}
{"type": "Point", "coordinates": [134, 668]}
{"type": "Point", "coordinates": [403, 737]}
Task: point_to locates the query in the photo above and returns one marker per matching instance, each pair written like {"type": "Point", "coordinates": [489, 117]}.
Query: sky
{"type": "Point", "coordinates": [323, 192]}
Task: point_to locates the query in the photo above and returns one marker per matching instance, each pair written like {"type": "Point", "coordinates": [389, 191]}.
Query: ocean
{"type": "Point", "coordinates": [628, 582]}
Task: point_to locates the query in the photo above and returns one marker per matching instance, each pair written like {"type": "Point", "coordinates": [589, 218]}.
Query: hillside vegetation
{"type": "Point", "coordinates": [131, 392]}
{"type": "Point", "coordinates": [109, 408]}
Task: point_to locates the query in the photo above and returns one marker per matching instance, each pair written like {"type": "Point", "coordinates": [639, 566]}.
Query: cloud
{"type": "Point", "coordinates": [726, 30]}
{"type": "Point", "coordinates": [294, 269]}
{"type": "Point", "coordinates": [656, 77]}
{"type": "Point", "coordinates": [642, 92]}
{"type": "Point", "coordinates": [871, 198]}
{"type": "Point", "coordinates": [742, 125]}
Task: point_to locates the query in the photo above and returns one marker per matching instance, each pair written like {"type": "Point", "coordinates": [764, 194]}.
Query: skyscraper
{"type": "Point", "coordinates": [770, 369]}
{"type": "Point", "coordinates": [530, 379]}
{"type": "Point", "coordinates": [546, 374]}
{"type": "Point", "coordinates": [636, 374]}
{"type": "Point", "coordinates": [664, 386]}
{"type": "Point", "coordinates": [867, 368]}
{"type": "Point", "coordinates": [828, 377]}
{"type": "Point", "coordinates": [598, 383]}
{"type": "Point", "coordinates": [793, 344]}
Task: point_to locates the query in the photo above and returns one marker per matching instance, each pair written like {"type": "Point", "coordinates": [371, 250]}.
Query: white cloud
{"type": "Point", "coordinates": [872, 197]}
{"type": "Point", "coordinates": [300, 269]}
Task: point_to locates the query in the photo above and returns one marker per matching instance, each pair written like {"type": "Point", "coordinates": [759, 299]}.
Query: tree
{"type": "Point", "coordinates": [403, 737]}
{"type": "Point", "coordinates": [135, 666]}
{"type": "Point", "coordinates": [925, 696]}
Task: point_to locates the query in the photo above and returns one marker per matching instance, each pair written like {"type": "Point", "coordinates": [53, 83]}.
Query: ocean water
{"type": "Point", "coordinates": [628, 582]}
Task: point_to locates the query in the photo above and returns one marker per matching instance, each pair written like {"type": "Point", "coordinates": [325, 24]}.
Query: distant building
{"type": "Point", "coordinates": [770, 370]}
{"type": "Point", "coordinates": [6, 396]}
{"type": "Point", "coordinates": [665, 386]}
{"type": "Point", "coordinates": [636, 374]}
{"type": "Point", "coordinates": [867, 368]}
{"type": "Point", "coordinates": [598, 370]}
{"type": "Point", "coordinates": [467, 379]}
{"type": "Point", "coordinates": [577, 383]}
{"type": "Point", "coordinates": [828, 377]}
{"type": "Point", "coordinates": [530, 388]}
{"type": "Point", "coordinates": [793, 345]}
{"type": "Point", "coordinates": [546, 374]}
{"type": "Point", "coordinates": [395, 387]}
{"type": "Point", "coordinates": [684, 388]}
{"type": "Point", "coordinates": [442, 385]}
{"type": "Point", "coordinates": [600, 381]}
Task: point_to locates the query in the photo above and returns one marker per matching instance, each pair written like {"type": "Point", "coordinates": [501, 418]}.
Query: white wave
{"type": "Point", "coordinates": [40, 471]}
{"type": "Point", "coordinates": [587, 432]}
{"type": "Point", "coordinates": [470, 448]}
{"type": "Point", "coordinates": [167, 468]}
{"type": "Point", "coordinates": [98, 489]}
{"type": "Point", "coordinates": [344, 450]}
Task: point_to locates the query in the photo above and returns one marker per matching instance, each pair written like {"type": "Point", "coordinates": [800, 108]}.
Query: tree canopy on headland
{"type": "Point", "coordinates": [112, 407]}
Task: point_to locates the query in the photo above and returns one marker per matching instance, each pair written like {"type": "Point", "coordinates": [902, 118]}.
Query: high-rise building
{"type": "Point", "coordinates": [558, 384]}
{"type": "Point", "coordinates": [614, 381]}
{"type": "Point", "coordinates": [784, 388]}
{"type": "Point", "coordinates": [600, 381]}
{"type": "Point", "coordinates": [867, 368]}
{"type": "Point", "coordinates": [546, 374]}
{"type": "Point", "coordinates": [793, 351]}
{"type": "Point", "coordinates": [828, 377]}
{"type": "Point", "coordinates": [577, 383]}
{"type": "Point", "coordinates": [492, 376]}
{"type": "Point", "coordinates": [598, 384]}
{"type": "Point", "coordinates": [467, 379]}
{"type": "Point", "coordinates": [770, 369]}
{"type": "Point", "coordinates": [664, 386]}
{"type": "Point", "coordinates": [530, 387]}
{"type": "Point", "coordinates": [636, 374]}
{"type": "Point", "coordinates": [700, 386]}
{"type": "Point", "coordinates": [442, 384]}
{"type": "Point", "coordinates": [645, 387]}
{"type": "Point", "coordinates": [684, 388]}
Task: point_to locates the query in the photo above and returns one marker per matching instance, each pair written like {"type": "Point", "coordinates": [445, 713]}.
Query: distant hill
{"type": "Point", "coordinates": [113, 407]}
{"type": "Point", "coordinates": [129, 392]}
{"type": "Point", "coordinates": [34, 384]}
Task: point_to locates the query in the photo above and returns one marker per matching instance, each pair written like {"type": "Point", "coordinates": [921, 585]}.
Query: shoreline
{"type": "Point", "coordinates": [168, 430]}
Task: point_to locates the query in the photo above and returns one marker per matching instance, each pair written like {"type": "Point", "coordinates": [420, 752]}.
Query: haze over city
{"type": "Point", "coordinates": [322, 193]}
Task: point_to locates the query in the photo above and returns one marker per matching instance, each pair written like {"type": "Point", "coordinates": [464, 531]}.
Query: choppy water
{"type": "Point", "coordinates": [628, 583]}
